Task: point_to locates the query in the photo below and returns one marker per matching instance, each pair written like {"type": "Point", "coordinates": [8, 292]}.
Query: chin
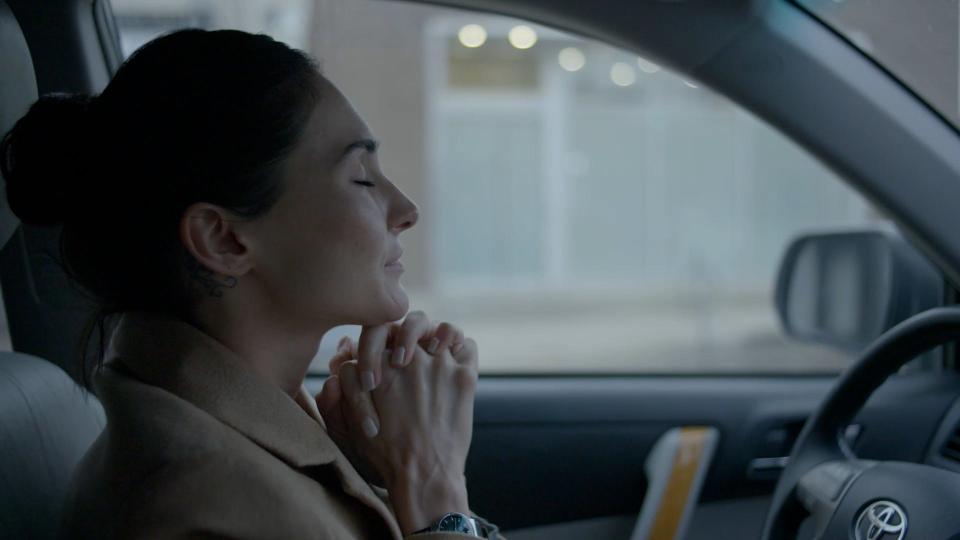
{"type": "Point", "coordinates": [392, 306]}
{"type": "Point", "coordinates": [399, 306]}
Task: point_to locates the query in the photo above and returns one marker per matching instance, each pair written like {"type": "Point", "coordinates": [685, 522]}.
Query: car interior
{"type": "Point", "coordinates": [869, 451]}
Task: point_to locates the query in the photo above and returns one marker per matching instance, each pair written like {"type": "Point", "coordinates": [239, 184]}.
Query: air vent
{"type": "Point", "coordinates": [951, 447]}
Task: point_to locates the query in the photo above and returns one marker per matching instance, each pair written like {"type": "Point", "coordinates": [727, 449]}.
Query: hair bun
{"type": "Point", "coordinates": [44, 159]}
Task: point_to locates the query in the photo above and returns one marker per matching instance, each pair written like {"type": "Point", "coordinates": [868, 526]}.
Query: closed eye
{"type": "Point", "coordinates": [364, 183]}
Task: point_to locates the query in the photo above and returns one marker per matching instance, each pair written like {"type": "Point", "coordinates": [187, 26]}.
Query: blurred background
{"type": "Point", "coordinates": [583, 209]}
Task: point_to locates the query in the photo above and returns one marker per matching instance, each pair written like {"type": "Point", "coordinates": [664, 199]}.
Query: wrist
{"type": "Point", "coordinates": [418, 505]}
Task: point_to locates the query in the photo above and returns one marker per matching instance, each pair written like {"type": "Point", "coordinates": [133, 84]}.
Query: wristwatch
{"type": "Point", "coordinates": [464, 524]}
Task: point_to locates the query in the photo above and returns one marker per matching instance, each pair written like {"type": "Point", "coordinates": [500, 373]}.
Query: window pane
{"type": "Point", "coordinates": [506, 200]}
{"type": "Point", "coordinates": [582, 209]}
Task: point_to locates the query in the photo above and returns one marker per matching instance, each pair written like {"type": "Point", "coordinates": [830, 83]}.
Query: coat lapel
{"type": "Point", "coordinates": [169, 353]}
{"type": "Point", "coordinates": [350, 480]}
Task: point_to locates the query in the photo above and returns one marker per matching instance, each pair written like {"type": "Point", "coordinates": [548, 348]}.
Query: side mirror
{"type": "Point", "coordinates": [847, 288]}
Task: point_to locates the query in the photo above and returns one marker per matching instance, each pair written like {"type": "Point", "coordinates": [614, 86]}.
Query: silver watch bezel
{"type": "Point", "coordinates": [474, 530]}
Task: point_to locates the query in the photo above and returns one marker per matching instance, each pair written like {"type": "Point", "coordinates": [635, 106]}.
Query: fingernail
{"type": "Point", "coordinates": [368, 381]}
{"type": "Point", "coordinates": [370, 428]}
{"type": "Point", "coordinates": [398, 355]}
{"type": "Point", "coordinates": [457, 348]}
{"type": "Point", "coordinates": [434, 343]}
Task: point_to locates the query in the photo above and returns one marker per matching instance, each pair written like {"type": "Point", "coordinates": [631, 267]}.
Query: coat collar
{"type": "Point", "coordinates": [172, 354]}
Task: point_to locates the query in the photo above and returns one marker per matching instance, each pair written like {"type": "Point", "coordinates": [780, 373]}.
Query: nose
{"type": "Point", "coordinates": [404, 214]}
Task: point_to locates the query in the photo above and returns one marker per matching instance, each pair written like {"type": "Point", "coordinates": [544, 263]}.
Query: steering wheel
{"type": "Point", "coordinates": [849, 498]}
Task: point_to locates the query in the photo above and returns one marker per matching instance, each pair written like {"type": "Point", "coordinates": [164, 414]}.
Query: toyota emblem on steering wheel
{"type": "Point", "coordinates": [882, 520]}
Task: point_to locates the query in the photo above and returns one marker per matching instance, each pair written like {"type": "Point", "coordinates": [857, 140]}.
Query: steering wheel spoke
{"type": "Point", "coordinates": [822, 488]}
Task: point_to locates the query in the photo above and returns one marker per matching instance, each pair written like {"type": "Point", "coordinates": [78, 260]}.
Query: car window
{"type": "Point", "coordinates": [918, 41]}
{"type": "Point", "coordinates": [583, 209]}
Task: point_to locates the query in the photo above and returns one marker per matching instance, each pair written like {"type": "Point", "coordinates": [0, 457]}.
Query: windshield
{"type": "Point", "coordinates": [917, 40]}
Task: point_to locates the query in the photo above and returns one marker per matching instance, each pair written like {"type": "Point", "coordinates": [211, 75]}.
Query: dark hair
{"type": "Point", "coordinates": [192, 116]}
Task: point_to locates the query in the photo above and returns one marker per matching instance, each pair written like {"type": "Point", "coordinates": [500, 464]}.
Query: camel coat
{"type": "Point", "coordinates": [198, 446]}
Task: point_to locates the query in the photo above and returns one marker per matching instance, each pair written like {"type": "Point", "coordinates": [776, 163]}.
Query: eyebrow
{"type": "Point", "coordinates": [369, 145]}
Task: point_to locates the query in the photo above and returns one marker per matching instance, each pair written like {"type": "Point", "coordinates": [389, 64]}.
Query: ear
{"type": "Point", "coordinates": [211, 234]}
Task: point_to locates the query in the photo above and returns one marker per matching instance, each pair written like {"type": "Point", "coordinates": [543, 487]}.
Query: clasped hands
{"type": "Point", "coordinates": [399, 404]}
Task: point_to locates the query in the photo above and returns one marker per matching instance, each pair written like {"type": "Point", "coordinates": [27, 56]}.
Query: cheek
{"type": "Point", "coordinates": [351, 234]}
{"type": "Point", "coordinates": [329, 255]}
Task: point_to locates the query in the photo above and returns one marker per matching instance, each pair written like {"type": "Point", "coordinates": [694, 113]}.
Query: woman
{"type": "Point", "coordinates": [224, 200]}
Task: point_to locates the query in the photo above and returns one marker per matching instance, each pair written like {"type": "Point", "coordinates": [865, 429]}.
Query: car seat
{"type": "Point", "coordinates": [47, 422]}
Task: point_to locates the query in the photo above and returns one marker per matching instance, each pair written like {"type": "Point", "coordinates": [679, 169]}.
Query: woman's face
{"type": "Point", "coordinates": [328, 251]}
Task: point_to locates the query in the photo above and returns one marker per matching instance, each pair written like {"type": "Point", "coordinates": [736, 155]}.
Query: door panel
{"type": "Point", "coordinates": [551, 450]}
{"type": "Point", "coordinates": [735, 519]}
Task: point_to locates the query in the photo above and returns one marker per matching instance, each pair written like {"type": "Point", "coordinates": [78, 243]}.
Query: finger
{"type": "Point", "coordinates": [413, 329]}
{"type": "Point", "coordinates": [468, 354]}
{"type": "Point", "coordinates": [457, 344]}
{"type": "Point", "coordinates": [338, 360]}
{"type": "Point", "coordinates": [393, 335]}
{"type": "Point", "coordinates": [424, 369]}
{"type": "Point", "coordinates": [330, 395]}
{"type": "Point", "coordinates": [446, 335]}
{"type": "Point", "coordinates": [347, 345]}
{"type": "Point", "coordinates": [373, 340]}
{"type": "Point", "coordinates": [360, 409]}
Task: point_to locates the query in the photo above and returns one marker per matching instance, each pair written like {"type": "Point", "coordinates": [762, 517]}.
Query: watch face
{"type": "Point", "coordinates": [454, 523]}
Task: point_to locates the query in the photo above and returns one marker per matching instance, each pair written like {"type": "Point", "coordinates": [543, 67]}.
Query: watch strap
{"type": "Point", "coordinates": [487, 529]}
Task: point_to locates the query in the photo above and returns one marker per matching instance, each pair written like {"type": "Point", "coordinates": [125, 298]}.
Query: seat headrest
{"type": "Point", "coordinates": [18, 90]}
